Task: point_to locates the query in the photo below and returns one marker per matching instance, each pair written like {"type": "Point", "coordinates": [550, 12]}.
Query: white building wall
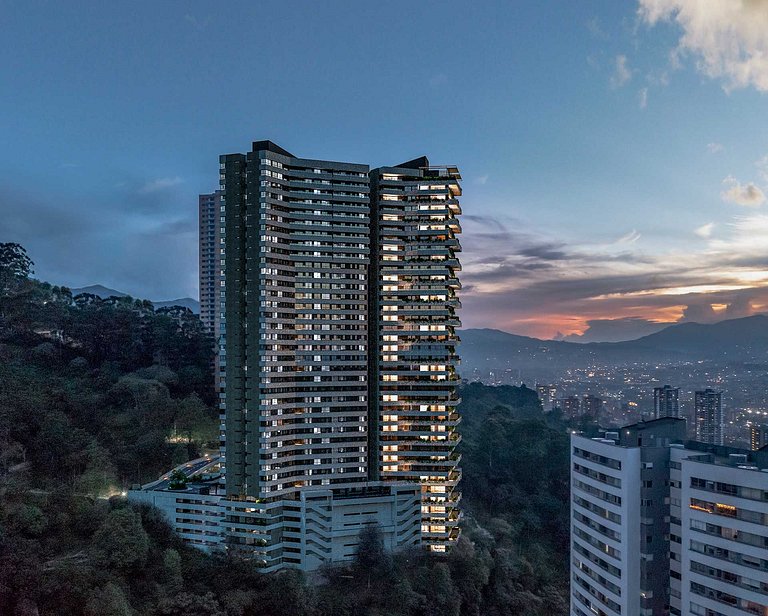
{"type": "Point", "coordinates": [605, 528]}
{"type": "Point", "coordinates": [195, 517]}
{"type": "Point", "coordinates": [731, 576]}
{"type": "Point", "coordinates": [677, 453]}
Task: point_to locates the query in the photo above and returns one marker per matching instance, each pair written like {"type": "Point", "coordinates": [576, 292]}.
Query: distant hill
{"type": "Point", "coordinates": [745, 337]}
{"type": "Point", "coordinates": [186, 302]}
{"type": "Point", "coordinates": [104, 292]}
{"type": "Point", "coordinates": [491, 350]}
{"type": "Point", "coordinates": [100, 291]}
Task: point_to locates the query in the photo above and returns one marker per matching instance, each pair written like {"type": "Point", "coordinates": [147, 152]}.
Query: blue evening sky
{"type": "Point", "coordinates": [610, 150]}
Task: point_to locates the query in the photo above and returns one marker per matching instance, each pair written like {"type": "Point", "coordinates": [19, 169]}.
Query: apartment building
{"type": "Point", "coordinates": [719, 531]}
{"type": "Point", "coordinates": [661, 525]}
{"type": "Point", "coordinates": [210, 219]}
{"type": "Point", "coordinates": [708, 416]}
{"type": "Point", "coordinates": [338, 353]}
{"type": "Point", "coordinates": [666, 402]}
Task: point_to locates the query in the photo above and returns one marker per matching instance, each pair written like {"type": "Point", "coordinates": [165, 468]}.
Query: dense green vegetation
{"type": "Point", "coordinates": [96, 395]}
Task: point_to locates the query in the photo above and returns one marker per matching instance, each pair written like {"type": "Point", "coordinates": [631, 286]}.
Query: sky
{"type": "Point", "coordinates": [614, 154]}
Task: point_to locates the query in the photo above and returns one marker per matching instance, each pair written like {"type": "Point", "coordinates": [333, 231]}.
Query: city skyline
{"type": "Point", "coordinates": [615, 177]}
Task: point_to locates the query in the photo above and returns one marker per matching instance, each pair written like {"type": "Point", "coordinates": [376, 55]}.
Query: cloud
{"type": "Point", "coordinates": [629, 238]}
{"type": "Point", "coordinates": [749, 195]}
{"type": "Point", "coordinates": [705, 230]}
{"type": "Point", "coordinates": [727, 38]}
{"type": "Point", "coordinates": [714, 148]}
{"type": "Point", "coordinates": [762, 168]}
{"type": "Point", "coordinates": [595, 28]}
{"type": "Point", "coordinates": [622, 73]}
{"type": "Point", "coordinates": [704, 310]}
{"type": "Point", "coordinates": [483, 179]}
{"type": "Point", "coordinates": [642, 96]}
{"type": "Point", "coordinates": [160, 184]}
{"type": "Point", "coordinates": [537, 285]}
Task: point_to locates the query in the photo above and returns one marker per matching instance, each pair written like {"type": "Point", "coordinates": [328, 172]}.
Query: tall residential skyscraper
{"type": "Point", "coordinates": [340, 347]}
{"type": "Point", "coordinates": [413, 418]}
{"type": "Point", "coordinates": [210, 219]}
{"type": "Point", "coordinates": [666, 402]}
{"type": "Point", "coordinates": [708, 415]}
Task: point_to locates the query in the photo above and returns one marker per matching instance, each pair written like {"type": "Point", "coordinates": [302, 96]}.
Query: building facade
{"type": "Point", "coordinates": [758, 436]}
{"type": "Point", "coordinates": [666, 402]}
{"type": "Point", "coordinates": [708, 416]}
{"type": "Point", "coordinates": [210, 218]}
{"type": "Point", "coordinates": [338, 352]}
{"type": "Point", "coordinates": [592, 406]}
{"type": "Point", "coordinates": [660, 525]}
{"type": "Point", "coordinates": [719, 532]}
{"type": "Point", "coordinates": [548, 396]}
{"type": "Point", "coordinates": [413, 394]}
{"type": "Point", "coordinates": [619, 556]}
{"type": "Point", "coordinates": [571, 406]}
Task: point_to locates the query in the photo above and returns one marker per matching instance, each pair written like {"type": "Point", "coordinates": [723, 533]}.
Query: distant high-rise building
{"type": "Point", "coordinates": [758, 436]}
{"type": "Point", "coordinates": [547, 395]}
{"type": "Point", "coordinates": [591, 406]}
{"type": "Point", "coordinates": [708, 416]}
{"type": "Point", "coordinates": [660, 525]}
{"type": "Point", "coordinates": [211, 291]}
{"type": "Point", "coordinates": [570, 405]}
{"type": "Point", "coordinates": [666, 402]}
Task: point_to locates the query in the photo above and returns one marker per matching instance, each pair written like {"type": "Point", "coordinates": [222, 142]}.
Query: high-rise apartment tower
{"type": "Point", "coordinates": [708, 416]}
{"type": "Point", "coordinates": [666, 402]}
{"type": "Point", "coordinates": [211, 221]}
{"type": "Point", "coordinates": [340, 348]}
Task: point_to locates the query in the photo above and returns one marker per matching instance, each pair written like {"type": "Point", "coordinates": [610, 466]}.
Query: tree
{"type": "Point", "coordinates": [194, 421]}
{"type": "Point", "coordinates": [178, 480]}
{"type": "Point", "coordinates": [27, 520]}
{"type": "Point", "coordinates": [108, 601]}
{"type": "Point", "coordinates": [121, 542]}
{"type": "Point", "coordinates": [174, 580]}
{"type": "Point", "coordinates": [15, 268]}
{"type": "Point", "coordinates": [15, 264]}
{"type": "Point", "coordinates": [184, 604]}
{"type": "Point", "coordinates": [99, 477]}
{"type": "Point", "coordinates": [370, 549]}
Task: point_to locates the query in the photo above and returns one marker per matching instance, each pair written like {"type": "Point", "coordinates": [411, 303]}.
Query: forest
{"type": "Point", "coordinates": [97, 395]}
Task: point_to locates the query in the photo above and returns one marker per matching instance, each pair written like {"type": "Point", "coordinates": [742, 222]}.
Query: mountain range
{"type": "Point", "coordinates": [490, 350]}
{"type": "Point", "coordinates": [104, 292]}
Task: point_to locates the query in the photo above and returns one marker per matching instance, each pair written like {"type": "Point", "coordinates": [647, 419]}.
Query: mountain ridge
{"type": "Point", "coordinates": [105, 292]}
{"type": "Point", "coordinates": [490, 350]}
